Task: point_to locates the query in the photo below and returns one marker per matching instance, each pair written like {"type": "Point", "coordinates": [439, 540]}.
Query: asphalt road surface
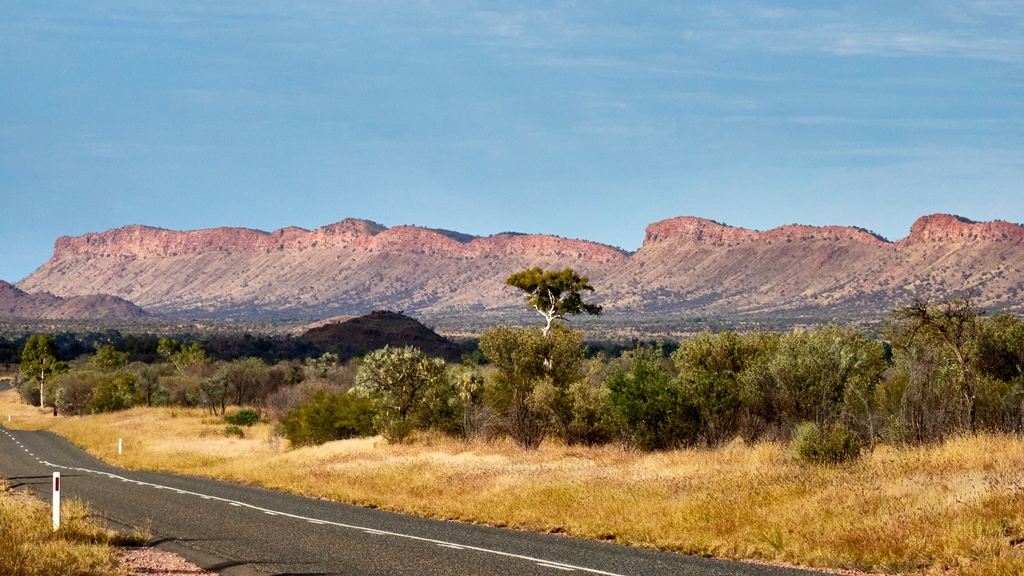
{"type": "Point", "coordinates": [240, 530]}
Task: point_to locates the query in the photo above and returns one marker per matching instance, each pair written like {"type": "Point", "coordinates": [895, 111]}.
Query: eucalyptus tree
{"type": "Point", "coordinates": [554, 294]}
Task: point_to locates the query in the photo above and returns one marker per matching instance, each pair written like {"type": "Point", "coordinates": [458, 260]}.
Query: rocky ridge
{"type": "Point", "coordinates": [686, 265]}
{"type": "Point", "coordinates": [15, 303]}
{"type": "Point", "coordinates": [137, 241]}
{"type": "Point", "coordinates": [702, 231]}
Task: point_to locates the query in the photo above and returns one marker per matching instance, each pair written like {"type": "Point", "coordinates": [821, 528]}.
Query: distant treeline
{"type": "Point", "coordinates": [270, 349]}
{"type": "Point", "coordinates": [938, 370]}
{"type": "Point", "coordinates": [143, 347]}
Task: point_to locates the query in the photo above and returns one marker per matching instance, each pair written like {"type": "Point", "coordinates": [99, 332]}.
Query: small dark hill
{"type": "Point", "coordinates": [16, 303]}
{"type": "Point", "coordinates": [378, 329]}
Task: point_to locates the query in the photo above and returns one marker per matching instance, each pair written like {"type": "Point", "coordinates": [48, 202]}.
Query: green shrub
{"type": "Point", "coordinates": [442, 408]}
{"type": "Point", "coordinates": [532, 387]}
{"type": "Point", "coordinates": [245, 417]}
{"type": "Point", "coordinates": [398, 380]}
{"type": "Point", "coordinates": [234, 431]}
{"type": "Point", "coordinates": [328, 417]}
{"type": "Point", "coordinates": [654, 412]}
{"type": "Point", "coordinates": [113, 392]}
{"type": "Point", "coordinates": [74, 391]}
{"type": "Point", "coordinates": [833, 445]}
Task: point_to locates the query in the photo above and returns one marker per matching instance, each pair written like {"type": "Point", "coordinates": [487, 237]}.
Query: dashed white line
{"type": "Point", "coordinates": [555, 566]}
{"type": "Point", "coordinates": [537, 561]}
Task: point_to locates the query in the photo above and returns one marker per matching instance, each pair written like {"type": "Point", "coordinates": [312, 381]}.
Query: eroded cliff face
{"type": "Point", "coordinates": [145, 242]}
{"type": "Point", "coordinates": [710, 266]}
{"type": "Point", "coordinates": [701, 231]}
{"type": "Point", "coordinates": [946, 228]}
{"type": "Point", "coordinates": [686, 265]}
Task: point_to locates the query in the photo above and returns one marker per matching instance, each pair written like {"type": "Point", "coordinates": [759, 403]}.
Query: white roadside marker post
{"type": "Point", "coordinates": [118, 445]}
{"type": "Point", "coordinates": [56, 500]}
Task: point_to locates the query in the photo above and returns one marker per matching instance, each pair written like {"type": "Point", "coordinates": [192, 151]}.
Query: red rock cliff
{"type": "Point", "coordinates": [143, 241]}
{"type": "Point", "coordinates": [947, 228]}
{"type": "Point", "coordinates": [136, 241]}
{"type": "Point", "coordinates": [701, 231]}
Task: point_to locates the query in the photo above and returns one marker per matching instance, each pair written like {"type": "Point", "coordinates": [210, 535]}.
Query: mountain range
{"type": "Point", "coordinates": [686, 266]}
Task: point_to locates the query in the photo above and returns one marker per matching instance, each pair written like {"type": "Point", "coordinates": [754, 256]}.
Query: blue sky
{"type": "Point", "coordinates": [585, 119]}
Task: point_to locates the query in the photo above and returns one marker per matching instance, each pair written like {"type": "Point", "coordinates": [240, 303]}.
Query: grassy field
{"type": "Point", "coordinates": [957, 508]}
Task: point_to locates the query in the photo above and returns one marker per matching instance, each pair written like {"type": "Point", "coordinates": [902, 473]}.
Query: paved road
{"type": "Point", "coordinates": [240, 530]}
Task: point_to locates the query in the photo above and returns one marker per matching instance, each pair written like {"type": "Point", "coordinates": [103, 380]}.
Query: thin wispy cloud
{"type": "Point", "coordinates": [752, 111]}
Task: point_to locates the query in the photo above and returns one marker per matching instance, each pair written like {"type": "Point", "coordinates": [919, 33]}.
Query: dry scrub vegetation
{"type": "Point", "coordinates": [955, 507]}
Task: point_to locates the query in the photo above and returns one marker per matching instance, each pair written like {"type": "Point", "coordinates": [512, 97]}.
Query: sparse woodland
{"type": "Point", "coordinates": [941, 370]}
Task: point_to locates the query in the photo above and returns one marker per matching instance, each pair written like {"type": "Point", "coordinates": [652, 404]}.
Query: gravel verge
{"type": "Point", "coordinates": [156, 562]}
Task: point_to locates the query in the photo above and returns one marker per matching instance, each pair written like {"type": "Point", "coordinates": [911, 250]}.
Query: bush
{"type": "Point", "coordinates": [181, 390]}
{"type": "Point", "coordinates": [234, 431]}
{"type": "Point", "coordinates": [442, 408]}
{"type": "Point", "coordinates": [714, 373]}
{"type": "Point", "coordinates": [113, 392]}
{"type": "Point", "coordinates": [398, 380]}
{"type": "Point", "coordinates": [148, 390]}
{"type": "Point", "coordinates": [833, 445]}
{"type": "Point", "coordinates": [74, 392]}
{"type": "Point", "coordinates": [532, 387]}
{"type": "Point", "coordinates": [328, 417]}
{"type": "Point", "coordinates": [245, 417]}
{"type": "Point", "coordinates": [28, 389]}
{"type": "Point", "coordinates": [654, 412]}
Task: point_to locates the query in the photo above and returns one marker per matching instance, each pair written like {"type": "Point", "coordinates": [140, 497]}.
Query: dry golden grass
{"type": "Point", "coordinates": [30, 547]}
{"type": "Point", "coordinates": [957, 508]}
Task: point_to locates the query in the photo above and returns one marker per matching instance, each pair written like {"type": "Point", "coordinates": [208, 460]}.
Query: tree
{"type": "Point", "coordinates": [397, 380]}
{"type": "Point", "coordinates": [39, 360]}
{"type": "Point", "coordinates": [113, 392]}
{"type": "Point", "coordinates": [709, 368]}
{"type": "Point", "coordinates": [107, 358]}
{"type": "Point", "coordinates": [518, 355]}
{"type": "Point", "coordinates": [953, 323]}
{"type": "Point", "coordinates": [554, 294]}
{"type": "Point", "coordinates": [149, 375]}
{"type": "Point", "coordinates": [183, 357]}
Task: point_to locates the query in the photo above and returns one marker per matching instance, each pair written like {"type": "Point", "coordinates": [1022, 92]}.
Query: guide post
{"type": "Point", "coordinates": [56, 500]}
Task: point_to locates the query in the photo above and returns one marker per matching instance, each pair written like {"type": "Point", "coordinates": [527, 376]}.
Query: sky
{"type": "Point", "coordinates": [587, 119]}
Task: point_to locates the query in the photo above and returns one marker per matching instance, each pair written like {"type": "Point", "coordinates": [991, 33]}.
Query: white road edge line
{"type": "Point", "coordinates": [539, 561]}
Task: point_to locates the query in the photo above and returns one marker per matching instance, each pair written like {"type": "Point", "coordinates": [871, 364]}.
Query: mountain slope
{"type": "Point", "coordinates": [15, 303]}
{"type": "Point", "coordinates": [686, 266]}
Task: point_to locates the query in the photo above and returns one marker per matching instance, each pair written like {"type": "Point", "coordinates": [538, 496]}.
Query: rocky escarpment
{"type": "Point", "coordinates": [705, 265]}
{"type": "Point", "coordinates": [15, 303]}
{"type": "Point", "coordinates": [686, 266]}
{"type": "Point", "coordinates": [344, 268]}
{"type": "Point", "coordinates": [701, 231]}
{"type": "Point", "coordinates": [146, 242]}
{"type": "Point", "coordinates": [947, 228]}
